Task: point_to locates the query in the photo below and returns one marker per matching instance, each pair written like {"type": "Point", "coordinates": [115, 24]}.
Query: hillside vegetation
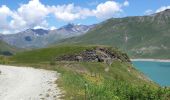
{"type": "Point", "coordinates": [140, 36]}
{"type": "Point", "coordinates": [6, 49]}
{"type": "Point", "coordinates": [93, 80]}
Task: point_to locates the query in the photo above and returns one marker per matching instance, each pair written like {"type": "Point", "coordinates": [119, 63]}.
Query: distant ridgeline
{"type": "Point", "coordinates": [38, 38]}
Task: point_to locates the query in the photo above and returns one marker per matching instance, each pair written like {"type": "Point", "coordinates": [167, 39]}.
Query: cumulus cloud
{"type": "Point", "coordinates": [104, 10]}
{"type": "Point", "coordinates": [29, 15]}
{"type": "Point", "coordinates": [34, 14]}
{"type": "Point", "coordinates": [26, 16]}
{"type": "Point", "coordinates": [107, 9]}
{"type": "Point", "coordinates": [4, 13]}
{"type": "Point", "coordinates": [148, 12]}
{"type": "Point", "coordinates": [69, 12]}
{"type": "Point", "coordinates": [65, 12]}
{"type": "Point", "coordinates": [126, 3]}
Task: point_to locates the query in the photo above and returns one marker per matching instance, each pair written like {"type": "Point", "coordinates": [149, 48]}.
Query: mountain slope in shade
{"type": "Point", "coordinates": [36, 38]}
{"type": "Point", "coordinates": [6, 49]}
{"type": "Point", "coordinates": [140, 36]}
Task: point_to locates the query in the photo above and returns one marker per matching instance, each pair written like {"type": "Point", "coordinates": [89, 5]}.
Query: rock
{"type": "Point", "coordinates": [79, 58]}
{"type": "Point", "coordinates": [95, 55]}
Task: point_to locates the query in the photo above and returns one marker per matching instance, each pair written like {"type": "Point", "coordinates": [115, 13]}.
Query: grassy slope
{"type": "Point", "coordinates": [47, 54]}
{"type": "Point", "coordinates": [5, 47]}
{"type": "Point", "coordinates": [147, 32]}
{"type": "Point", "coordinates": [90, 80]}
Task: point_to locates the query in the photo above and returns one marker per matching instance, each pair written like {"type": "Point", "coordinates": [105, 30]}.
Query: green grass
{"type": "Point", "coordinates": [50, 53]}
{"type": "Point", "coordinates": [4, 59]}
{"type": "Point", "coordinates": [47, 54]}
{"type": "Point", "coordinates": [93, 80]}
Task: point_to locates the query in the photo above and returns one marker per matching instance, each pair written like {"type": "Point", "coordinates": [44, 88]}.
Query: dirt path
{"type": "Point", "coordinates": [23, 83]}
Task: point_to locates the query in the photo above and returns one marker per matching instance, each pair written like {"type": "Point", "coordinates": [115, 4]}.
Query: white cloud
{"type": "Point", "coordinates": [53, 28]}
{"type": "Point", "coordinates": [40, 27]}
{"type": "Point", "coordinates": [26, 16]}
{"type": "Point", "coordinates": [148, 12]}
{"type": "Point", "coordinates": [126, 3]}
{"type": "Point", "coordinates": [104, 10]}
{"type": "Point", "coordinates": [107, 9]}
{"type": "Point", "coordinates": [34, 14]}
{"type": "Point", "coordinates": [17, 22]}
{"type": "Point", "coordinates": [4, 14]}
{"type": "Point", "coordinates": [29, 15]}
{"type": "Point", "coordinates": [70, 12]}
{"type": "Point", "coordinates": [65, 12]}
{"type": "Point", "coordinates": [162, 8]}
{"type": "Point", "coordinates": [5, 10]}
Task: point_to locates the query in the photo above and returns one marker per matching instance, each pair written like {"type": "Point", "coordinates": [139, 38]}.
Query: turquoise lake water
{"type": "Point", "coordinates": [159, 72]}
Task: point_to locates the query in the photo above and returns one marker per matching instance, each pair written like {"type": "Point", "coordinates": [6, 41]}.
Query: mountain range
{"type": "Point", "coordinates": [36, 38]}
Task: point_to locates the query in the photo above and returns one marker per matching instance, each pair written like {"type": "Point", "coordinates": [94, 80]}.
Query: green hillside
{"type": "Point", "coordinates": [140, 36]}
{"type": "Point", "coordinates": [93, 80]}
{"type": "Point", "coordinates": [6, 49]}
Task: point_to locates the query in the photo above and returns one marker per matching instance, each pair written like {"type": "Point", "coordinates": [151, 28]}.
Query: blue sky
{"type": "Point", "coordinates": [18, 15]}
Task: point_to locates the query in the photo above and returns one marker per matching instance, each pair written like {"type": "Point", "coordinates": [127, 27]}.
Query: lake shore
{"type": "Point", "coordinates": [153, 60]}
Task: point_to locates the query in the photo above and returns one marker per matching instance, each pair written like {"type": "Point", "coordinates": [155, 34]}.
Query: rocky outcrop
{"type": "Point", "coordinates": [95, 55]}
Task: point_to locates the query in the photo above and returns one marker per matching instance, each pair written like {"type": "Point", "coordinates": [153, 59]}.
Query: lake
{"type": "Point", "coordinates": [159, 72]}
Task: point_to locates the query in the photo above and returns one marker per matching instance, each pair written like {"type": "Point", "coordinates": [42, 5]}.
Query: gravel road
{"type": "Point", "coordinates": [24, 83]}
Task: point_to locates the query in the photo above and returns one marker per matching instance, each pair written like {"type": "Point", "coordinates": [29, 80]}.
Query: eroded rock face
{"type": "Point", "coordinates": [95, 55]}
{"type": "Point", "coordinates": [88, 56]}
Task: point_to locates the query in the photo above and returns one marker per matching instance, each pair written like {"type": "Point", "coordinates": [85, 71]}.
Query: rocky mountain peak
{"type": "Point", "coordinates": [40, 31]}
{"type": "Point", "coordinates": [72, 28]}
{"type": "Point", "coordinates": [68, 27]}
